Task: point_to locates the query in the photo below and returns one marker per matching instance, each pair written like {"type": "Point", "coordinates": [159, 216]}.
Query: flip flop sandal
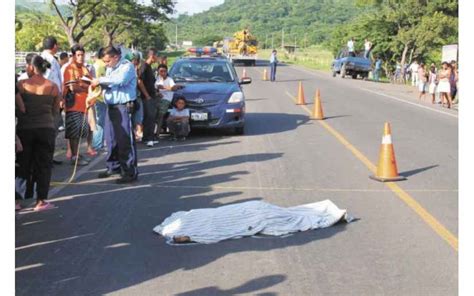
{"type": "Point", "coordinates": [44, 207]}
{"type": "Point", "coordinates": [92, 153]}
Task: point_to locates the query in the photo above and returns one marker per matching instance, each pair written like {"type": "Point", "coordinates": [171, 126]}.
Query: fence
{"type": "Point", "coordinates": [20, 63]}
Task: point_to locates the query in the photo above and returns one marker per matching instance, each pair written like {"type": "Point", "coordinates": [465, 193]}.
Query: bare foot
{"type": "Point", "coordinates": [181, 239]}
{"type": "Point", "coordinates": [42, 205]}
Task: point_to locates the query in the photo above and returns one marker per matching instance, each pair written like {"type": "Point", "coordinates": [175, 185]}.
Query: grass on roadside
{"type": "Point", "coordinates": [313, 57]}
{"type": "Point", "coordinates": [172, 56]}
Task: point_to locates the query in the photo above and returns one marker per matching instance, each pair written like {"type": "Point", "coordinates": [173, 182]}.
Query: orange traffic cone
{"type": "Point", "coordinates": [317, 107]}
{"type": "Point", "coordinates": [265, 75]}
{"type": "Point", "coordinates": [387, 168]}
{"type": "Point", "coordinates": [244, 73]}
{"type": "Point", "coordinates": [300, 99]}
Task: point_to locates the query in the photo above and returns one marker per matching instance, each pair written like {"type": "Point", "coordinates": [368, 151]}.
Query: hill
{"type": "Point", "coordinates": [39, 7]}
{"type": "Point", "coordinates": [307, 21]}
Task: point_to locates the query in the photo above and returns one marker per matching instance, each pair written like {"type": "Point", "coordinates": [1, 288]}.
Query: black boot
{"type": "Point", "coordinates": [109, 173]}
{"type": "Point", "coordinates": [126, 179]}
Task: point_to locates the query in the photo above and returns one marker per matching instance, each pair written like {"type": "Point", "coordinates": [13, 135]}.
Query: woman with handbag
{"type": "Point", "coordinates": [75, 89]}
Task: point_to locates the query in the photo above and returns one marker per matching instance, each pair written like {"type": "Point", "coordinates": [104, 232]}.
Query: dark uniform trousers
{"type": "Point", "coordinates": [120, 139]}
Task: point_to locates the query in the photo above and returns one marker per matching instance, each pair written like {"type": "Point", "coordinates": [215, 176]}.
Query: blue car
{"type": "Point", "coordinates": [213, 92]}
{"type": "Point", "coordinates": [351, 65]}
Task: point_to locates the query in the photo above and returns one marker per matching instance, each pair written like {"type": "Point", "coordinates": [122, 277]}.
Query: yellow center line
{"type": "Point", "coordinates": [439, 228]}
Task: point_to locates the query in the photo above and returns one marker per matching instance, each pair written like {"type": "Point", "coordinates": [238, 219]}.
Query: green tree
{"type": "Point", "coordinates": [402, 30]}
{"type": "Point", "coordinates": [81, 16]}
{"type": "Point", "coordinates": [145, 36]}
{"type": "Point", "coordinates": [120, 16]}
{"type": "Point", "coordinates": [208, 40]}
{"type": "Point", "coordinates": [112, 16]}
{"type": "Point", "coordinates": [310, 21]}
{"type": "Point", "coordinates": [34, 27]}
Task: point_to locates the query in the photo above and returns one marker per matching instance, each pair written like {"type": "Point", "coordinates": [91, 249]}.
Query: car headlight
{"type": "Point", "coordinates": [236, 97]}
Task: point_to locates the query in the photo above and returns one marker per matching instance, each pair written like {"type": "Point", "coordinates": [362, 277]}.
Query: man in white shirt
{"type": "Point", "coordinates": [273, 65]}
{"type": "Point", "coordinates": [367, 47]}
{"type": "Point", "coordinates": [350, 47]}
{"type": "Point", "coordinates": [166, 86]}
{"type": "Point", "coordinates": [414, 73]}
{"type": "Point", "coordinates": [50, 48]}
{"type": "Point", "coordinates": [64, 66]}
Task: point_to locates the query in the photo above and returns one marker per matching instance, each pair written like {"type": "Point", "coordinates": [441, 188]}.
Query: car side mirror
{"type": "Point", "coordinates": [245, 80]}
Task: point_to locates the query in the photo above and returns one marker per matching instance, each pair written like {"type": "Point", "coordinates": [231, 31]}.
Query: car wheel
{"type": "Point", "coordinates": [334, 73]}
{"type": "Point", "coordinates": [354, 76]}
{"type": "Point", "coordinates": [343, 71]}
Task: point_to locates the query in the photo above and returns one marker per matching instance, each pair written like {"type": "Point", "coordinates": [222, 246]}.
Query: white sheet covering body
{"type": "Point", "coordinates": [247, 219]}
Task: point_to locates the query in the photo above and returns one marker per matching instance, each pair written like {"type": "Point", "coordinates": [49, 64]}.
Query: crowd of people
{"type": "Point", "coordinates": [351, 45]}
{"type": "Point", "coordinates": [443, 82]}
{"type": "Point", "coordinates": [111, 103]}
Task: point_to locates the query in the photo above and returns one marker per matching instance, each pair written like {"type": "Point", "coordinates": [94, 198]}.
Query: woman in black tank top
{"type": "Point", "coordinates": [36, 130]}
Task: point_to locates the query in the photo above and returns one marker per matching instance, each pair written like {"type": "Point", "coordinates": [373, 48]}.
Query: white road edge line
{"type": "Point", "coordinates": [408, 102]}
{"type": "Point", "coordinates": [384, 95]}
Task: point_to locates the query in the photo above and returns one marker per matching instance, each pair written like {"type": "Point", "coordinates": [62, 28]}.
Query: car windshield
{"type": "Point", "coordinates": [201, 71]}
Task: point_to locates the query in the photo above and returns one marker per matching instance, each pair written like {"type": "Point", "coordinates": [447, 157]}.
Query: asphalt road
{"type": "Point", "coordinates": [100, 239]}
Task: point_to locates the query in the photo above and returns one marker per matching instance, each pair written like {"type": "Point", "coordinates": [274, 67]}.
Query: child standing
{"type": "Point", "coordinates": [433, 81]}
{"type": "Point", "coordinates": [178, 120]}
{"type": "Point", "coordinates": [422, 80]}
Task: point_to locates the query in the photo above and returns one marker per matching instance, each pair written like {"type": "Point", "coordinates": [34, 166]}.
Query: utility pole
{"type": "Point", "coordinates": [295, 43]}
{"type": "Point", "coordinates": [282, 38]}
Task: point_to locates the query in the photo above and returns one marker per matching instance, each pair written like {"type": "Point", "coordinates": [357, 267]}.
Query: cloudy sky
{"type": "Point", "coordinates": [195, 6]}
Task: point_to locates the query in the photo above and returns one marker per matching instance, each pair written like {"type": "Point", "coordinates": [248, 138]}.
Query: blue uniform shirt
{"type": "Point", "coordinates": [273, 58]}
{"type": "Point", "coordinates": [120, 83]}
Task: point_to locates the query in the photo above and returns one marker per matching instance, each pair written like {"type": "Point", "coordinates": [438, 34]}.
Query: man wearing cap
{"type": "Point", "coordinates": [120, 93]}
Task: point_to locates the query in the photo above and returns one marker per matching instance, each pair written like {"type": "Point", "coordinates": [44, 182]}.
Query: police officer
{"type": "Point", "coordinates": [120, 92]}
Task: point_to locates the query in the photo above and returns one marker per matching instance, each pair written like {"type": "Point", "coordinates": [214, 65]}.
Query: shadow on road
{"type": "Point", "coordinates": [336, 116]}
{"type": "Point", "coordinates": [272, 123]}
{"type": "Point", "coordinates": [248, 287]}
{"type": "Point", "coordinates": [261, 63]}
{"type": "Point", "coordinates": [100, 239]}
{"type": "Point", "coordinates": [256, 99]}
{"type": "Point", "coordinates": [123, 252]}
{"type": "Point", "coordinates": [416, 171]}
{"type": "Point", "coordinates": [291, 80]}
